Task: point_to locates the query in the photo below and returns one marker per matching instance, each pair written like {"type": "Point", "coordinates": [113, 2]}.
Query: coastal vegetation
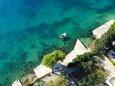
{"type": "Point", "coordinates": [113, 63]}
{"type": "Point", "coordinates": [58, 81]}
{"type": "Point", "coordinates": [85, 57]}
{"type": "Point", "coordinates": [94, 74]}
{"type": "Point", "coordinates": [51, 58]}
{"type": "Point", "coordinates": [105, 40]}
{"type": "Point", "coordinates": [93, 79]}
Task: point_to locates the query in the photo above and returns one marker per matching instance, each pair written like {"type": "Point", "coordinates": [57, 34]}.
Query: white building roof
{"type": "Point", "coordinates": [42, 71]}
{"type": "Point", "coordinates": [111, 81]}
{"type": "Point", "coordinates": [78, 50]}
{"type": "Point", "coordinates": [98, 32]}
{"type": "Point", "coordinates": [16, 83]}
{"type": "Point", "coordinates": [69, 58]}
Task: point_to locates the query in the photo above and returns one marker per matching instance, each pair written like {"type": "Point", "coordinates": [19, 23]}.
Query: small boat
{"type": "Point", "coordinates": [63, 36]}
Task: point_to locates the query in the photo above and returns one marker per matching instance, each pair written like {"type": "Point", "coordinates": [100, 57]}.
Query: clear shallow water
{"type": "Point", "coordinates": [29, 28]}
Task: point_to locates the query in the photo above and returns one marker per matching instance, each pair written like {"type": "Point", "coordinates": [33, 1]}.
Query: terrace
{"type": "Point", "coordinates": [98, 32]}
{"type": "Point", "coordinates": [79, 49]}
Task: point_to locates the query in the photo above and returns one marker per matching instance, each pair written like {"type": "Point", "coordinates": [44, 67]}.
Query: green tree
{"type": "Point", "coordinates": [53, 57]}
{"type": "Point", "coordinates": [93, 79]}
{"type": "Point", "coordinates": [83, 58]}
{"type": "Point", "coordinates": [106, 38]}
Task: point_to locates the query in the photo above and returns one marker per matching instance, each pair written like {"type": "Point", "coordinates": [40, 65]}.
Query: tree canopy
{"type": "Point", "coordinates": [53, 57]}
{"type": "Point", "coordinates": [106, 38]}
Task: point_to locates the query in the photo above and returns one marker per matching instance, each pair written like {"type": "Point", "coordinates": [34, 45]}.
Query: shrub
{"type": "Point", "coordinates": [58, 81]}
{"type": "Point", "coordinates": [53, 57]}
{"type": "Point", "coordinates": [83, 58]}
{"type": "Point", "coordinates": [106, 38]}
{"type": "Point", "coordinates": [113, 63]}
{"type": "Point", "coordinates": [93, 79]}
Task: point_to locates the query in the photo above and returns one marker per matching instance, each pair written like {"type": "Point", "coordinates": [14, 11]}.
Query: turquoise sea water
{"type": "Point", "coordinates": [30, 28]}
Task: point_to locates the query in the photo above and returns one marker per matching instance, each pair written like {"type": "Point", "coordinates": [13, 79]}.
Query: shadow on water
{"type": "Point", "coordinates": [48, 30]}
{"type": "Point", "coordinates": [30, 8]}
{"type": "Point", "coordinates": [4, 55]}
{"type": "Point", "coordinates": [108, 7]}
{"type": "Point", "coordinates": [87, 5]}
{"type": "Point", "coordinates": [33, 3]}
{"type": "Point", "coordinates": [28, 13]}
{"type": "Point", "coordinates": [62, 23]}
{"type": "Point", "coordinates": [43, 31]}
{"type": "Point", "coordinates": [82, 4]}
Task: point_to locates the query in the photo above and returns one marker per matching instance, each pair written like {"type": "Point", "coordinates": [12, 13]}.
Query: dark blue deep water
{"type": "Point", "coordinates": [30, 28]}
